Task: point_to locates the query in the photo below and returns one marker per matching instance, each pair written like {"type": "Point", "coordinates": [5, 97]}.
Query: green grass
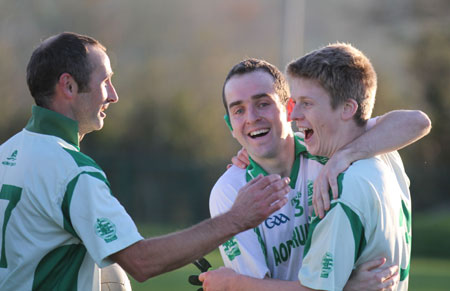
{"type": "Point", "coordinates": [426, 273]}
{"type": "Point", "coordinates": [429, 274]}
{"type": "Point", "coordinates": [178, 279]}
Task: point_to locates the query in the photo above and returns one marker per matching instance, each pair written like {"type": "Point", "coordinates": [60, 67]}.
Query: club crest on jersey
{"type": "Point", "coordinates": [11, 160]}
{"type": "Point", "coordinates": [276, 220]}
{"type": "Point", "coordinates": [231, 248]}
{"type": "Point", "coordinates": [105, 229]}
{"type": "Point", "coordinates": [327, 265]}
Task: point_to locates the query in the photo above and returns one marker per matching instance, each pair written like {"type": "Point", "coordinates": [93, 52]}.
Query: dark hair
{"type": "Point", "coordinates": [344, 72]}
{"type": "Point", "coordinates": [251, 65]}
{"type": "Point", "coordinates": [63, 53]}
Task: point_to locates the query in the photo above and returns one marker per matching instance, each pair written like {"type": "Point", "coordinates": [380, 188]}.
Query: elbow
{"type": "Point", "coordinates": [139, 275]}
{"type": "Point", "coordinates": [424, 123]}
{"type": "Point", "coordinates": [140, 271]}
{"type": "Point", "coordinates": [143, 270]}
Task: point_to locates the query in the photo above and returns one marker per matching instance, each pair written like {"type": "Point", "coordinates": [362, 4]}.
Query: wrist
{"type": "Point", "coordinates": [349, 154]}
{"type": "Point", "coordinates": [233, 223]}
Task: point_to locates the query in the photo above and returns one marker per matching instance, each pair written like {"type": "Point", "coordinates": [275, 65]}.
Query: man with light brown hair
{"type": "Point", "coordinates": [249, 98]}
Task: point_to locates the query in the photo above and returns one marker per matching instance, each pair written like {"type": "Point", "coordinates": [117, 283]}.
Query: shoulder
{"type": "Point", "coordinates": [57, 158]}
{"type": "Point", "coordinates": [233, 178]}
{"type": "Point", "coordinates": [226, 189]}
{"type": "Point", "coordinates": [361, 179]}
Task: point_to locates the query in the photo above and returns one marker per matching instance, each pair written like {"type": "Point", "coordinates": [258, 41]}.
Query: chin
{"type": "Point", "coordinates": [312, 151]}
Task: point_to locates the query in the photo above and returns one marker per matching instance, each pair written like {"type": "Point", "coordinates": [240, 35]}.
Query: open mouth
{"type": "Point", "coordinates": [258, 133]}
{"type": "Point", "coordinates": [102, 111]}
{"type": "Point", "coordinates": [308, 132]}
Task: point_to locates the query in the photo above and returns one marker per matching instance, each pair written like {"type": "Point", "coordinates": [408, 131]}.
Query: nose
{"type": "Point", "coordinates": [112, 94]}
{"type": "Point", "coordinates": [252, 114]}
{"type": "Point", "coordinates": [297, 113]}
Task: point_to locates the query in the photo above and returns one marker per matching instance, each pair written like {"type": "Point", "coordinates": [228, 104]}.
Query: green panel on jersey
{"type": "Point", "coordinates": [262, 244]}
{"type": "Point", "coordinates": [404, 273]}
{"type": "Point", "coordinates": [322, 160]}
{"type": "Point", "coordinates": [357, 229]}
{"type": "Point", "coordinates": [82, 160]}
{"type": "Point", "coordinates": [407, 216]}
{"type": "Point", "coordinates": [355, 223]}
{"type": "Point", "coordinates": [49, 122]}
{"type": "Point", "coordinates": [58, 270]}
{"type": "Point", "coordinates": [65, 207]}
{"type": "Point", "coordinates": [12, 194]}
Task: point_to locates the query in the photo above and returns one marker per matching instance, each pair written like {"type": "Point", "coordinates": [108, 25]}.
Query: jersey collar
{"type": "Point", "coordinates": [49, 122]}
{"type": "Point", "coordinates": [253, 169]}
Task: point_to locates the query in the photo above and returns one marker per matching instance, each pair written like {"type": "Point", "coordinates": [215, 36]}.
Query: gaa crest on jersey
{"type": "Point", "coordinates": [105, 229]}
{"type": "Point", "coordinates": [231, 248]}
{"type": "Point", "coordinates": [327, 265]}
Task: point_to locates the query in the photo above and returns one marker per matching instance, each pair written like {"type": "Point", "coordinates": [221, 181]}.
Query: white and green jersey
{"type": "Point", "coordinates": [58, 219]}
{"type": "Point", "coordinates": [370, 219]}
{"type": "Point", "coordinates": [275, 247]}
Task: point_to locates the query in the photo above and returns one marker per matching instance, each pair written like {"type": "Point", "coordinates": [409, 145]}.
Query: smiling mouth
{"type": "Point", "coordinates": [258, 133]}
{"type": "Point", "coordinates": [308, 132]}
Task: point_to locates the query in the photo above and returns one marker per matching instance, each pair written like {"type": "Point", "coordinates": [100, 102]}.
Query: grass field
{"type": "Point", "coordinates": [426, 274]}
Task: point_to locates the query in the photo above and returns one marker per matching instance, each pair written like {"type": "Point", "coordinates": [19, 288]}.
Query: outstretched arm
{"type": "Point", "coordinates": [364, 278]}
{"type": "Point", "coordinates": [392, 131]}
{"type": "Point", "coordinates": [256, 200]}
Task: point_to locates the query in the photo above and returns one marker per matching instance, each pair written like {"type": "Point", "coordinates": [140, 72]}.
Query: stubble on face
{"type": "Point", "coordinates": [92, 102]}
{"type": "Point", "coordinates": [258, 118]}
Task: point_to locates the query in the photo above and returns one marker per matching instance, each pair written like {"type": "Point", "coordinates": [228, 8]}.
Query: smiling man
{"type": "Point", "coordinates": [255, 96]}
{"type": "Point", "coordinates": [59, 222]}
{"type": "Point", "coordinates": [334, 92]}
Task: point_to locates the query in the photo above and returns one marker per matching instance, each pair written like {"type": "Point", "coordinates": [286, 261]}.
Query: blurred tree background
{"type": "Point", "coordinates": [165, 143]}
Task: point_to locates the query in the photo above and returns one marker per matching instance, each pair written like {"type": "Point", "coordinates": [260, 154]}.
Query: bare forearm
{"type": "Point", "coordinates": [248, 284]}
{"type": "Point", "coordinates": [227, 279]}
{"type": "Point", "coordinates": [255, 202]}
{"type": "Point", "coordinates": [393, 131]}
{"type": "Point", "coordinates": [155, 256]}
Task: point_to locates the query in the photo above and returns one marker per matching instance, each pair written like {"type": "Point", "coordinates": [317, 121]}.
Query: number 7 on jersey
{"type": "Point", "coordinates": [9, 196]}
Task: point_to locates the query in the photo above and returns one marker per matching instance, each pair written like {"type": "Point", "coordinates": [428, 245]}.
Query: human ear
{"type": "Point", "coordinates": [226, 117]}
{"type": "Point", "coordinates": [349, 109]}
{"type": "Point", "coordinates": [67, 85]}
{"type": "Point", "coordinates": [289, 107]}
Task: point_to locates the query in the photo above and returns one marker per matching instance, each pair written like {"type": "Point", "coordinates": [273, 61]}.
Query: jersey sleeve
{"type": "Point", "coordinates": [244, 252]}
{"type": "Point", "coordinates": [336, 242]}
{"type": "Point", "coordinates": [99, 220]}
{"type": "Point", "coordinates": [330, 250]}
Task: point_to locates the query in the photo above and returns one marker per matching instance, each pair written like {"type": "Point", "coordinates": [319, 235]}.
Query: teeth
{"type": "Point", "coordinates": [260, 131]}
{"type": "Point", "coordinates": [304, 129]}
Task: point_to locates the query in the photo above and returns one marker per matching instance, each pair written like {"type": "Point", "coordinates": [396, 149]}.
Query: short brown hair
{"type": "Point", "coordinates": [344, 72]}
{"type": "Point", "coordinates": [63, 53]}
{"type": "Point", "coordinates": [251, 65]}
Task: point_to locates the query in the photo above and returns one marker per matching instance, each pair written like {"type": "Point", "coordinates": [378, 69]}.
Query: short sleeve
{"type": "Point", "coordinates": [244, 253]}
{"type": "Point", "coordinates": [331, 249]}
{"type": "Point", "coordinates": [99, 219]}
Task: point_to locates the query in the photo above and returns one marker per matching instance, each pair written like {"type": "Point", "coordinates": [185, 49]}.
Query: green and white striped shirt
{"type": "Point", "coordinates": [370, 219]}
{"type": "Point", "coordinates": [58, 219]}
{"type": "Point", "coordinates": [275, 247]}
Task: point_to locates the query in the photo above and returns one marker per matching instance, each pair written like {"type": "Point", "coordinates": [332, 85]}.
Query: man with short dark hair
{"type": "Point", "coordinates": [257, 115]}
{"type": "Point", "coordinates": [59, 222]}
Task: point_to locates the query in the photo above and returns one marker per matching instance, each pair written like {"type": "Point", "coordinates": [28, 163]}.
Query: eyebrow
{"type": "Point", "coordinates": [254, 97]}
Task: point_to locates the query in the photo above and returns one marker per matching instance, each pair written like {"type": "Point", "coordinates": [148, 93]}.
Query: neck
{"type": "Point", "coordinates": [350, 133]}
{"type": "Point", "coordinates": [280, 164]}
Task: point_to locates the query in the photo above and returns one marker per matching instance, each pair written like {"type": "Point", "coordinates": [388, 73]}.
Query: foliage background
{"type": "Point", "coordinates": [165, 143]}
